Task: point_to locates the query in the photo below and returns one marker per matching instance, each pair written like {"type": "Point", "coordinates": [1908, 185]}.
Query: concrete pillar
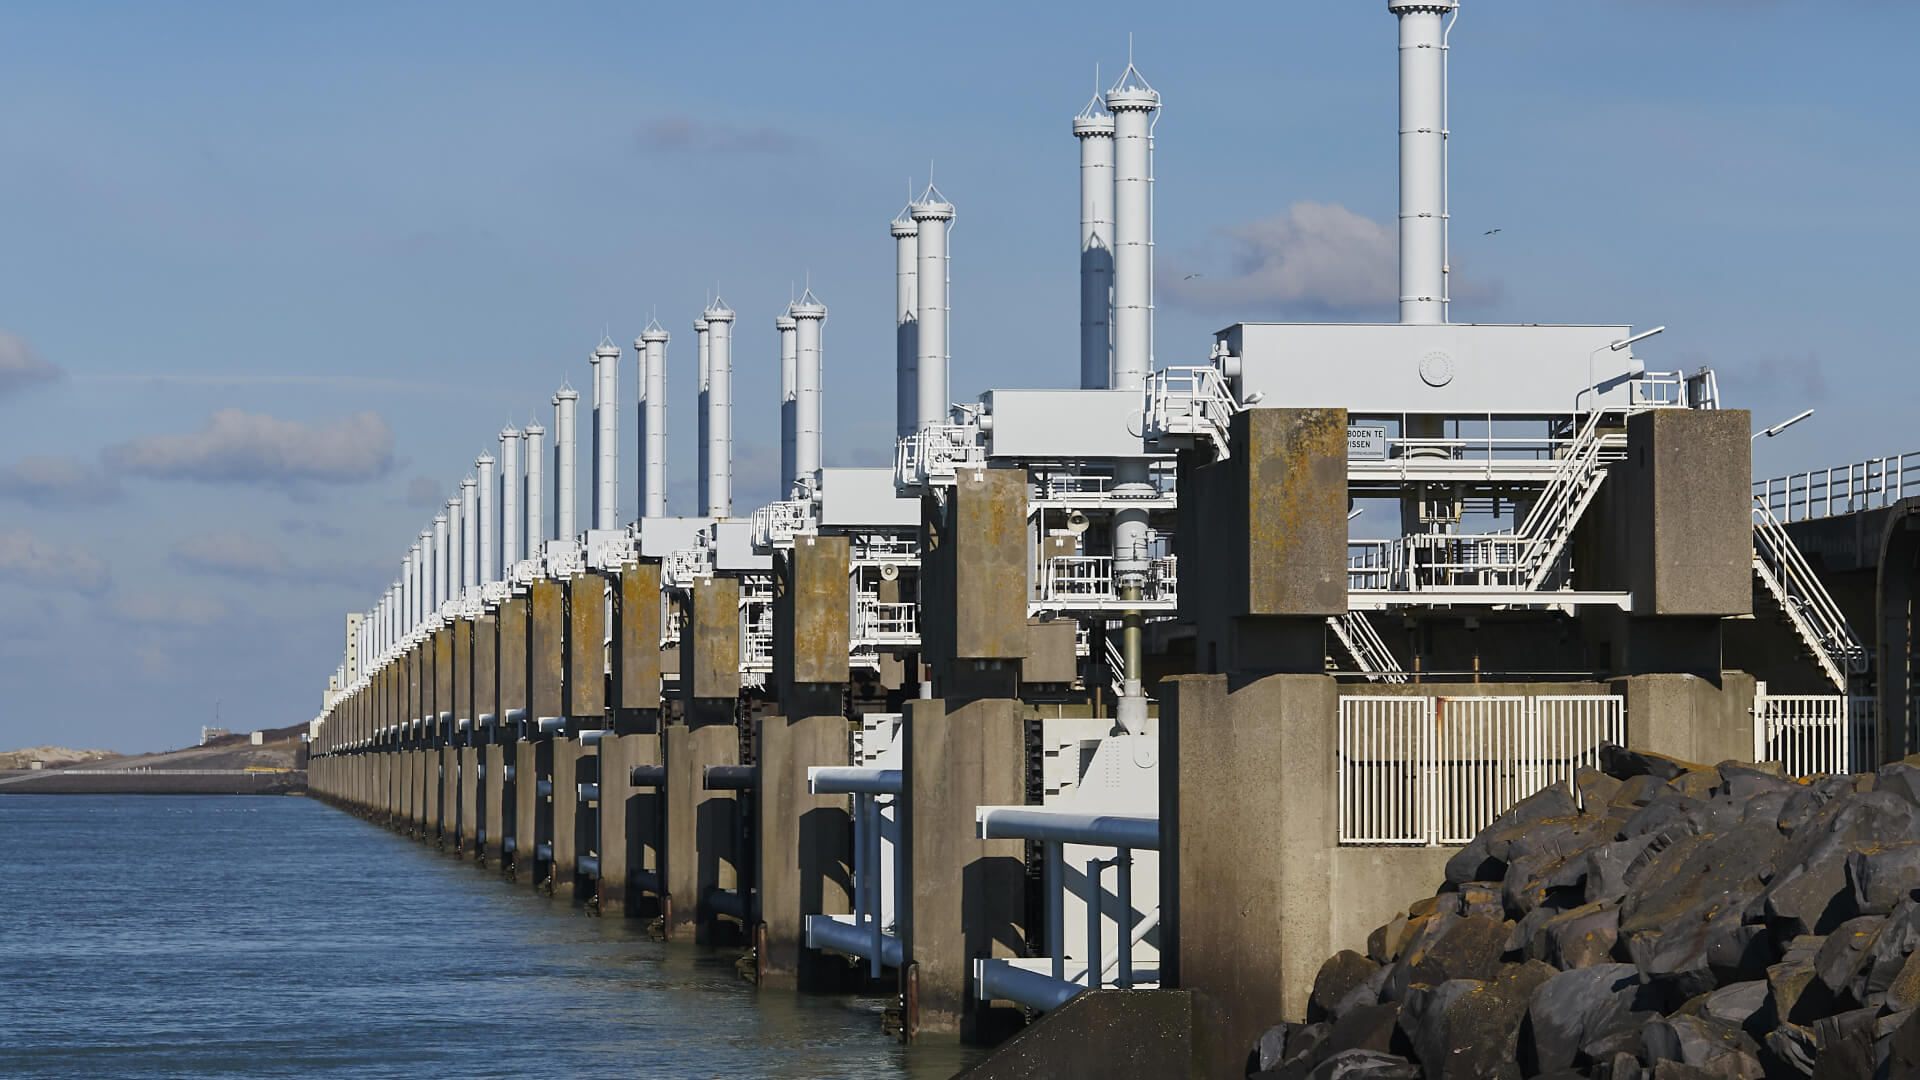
{"type": "Point", "coordinates": [468, 838]}
{"type": "Point", "coordinates": [449, 794]}
{"type": "Point", "coordinates": [973, 583]}
{"type": "Point", "coordinates": [805, 848]}
{"type": "Point", "coordinates": [1248, 827]}
{"type": "Point", "coordinates": [493, 758]}
{"type": "Point", "coordinates": [965, 896]}
{"type": "Point", "coordinates": [565, 810]}
{"type": "Point", "coordinates": [614, 843]}
{"type": "Point", "coordinates": [1690, 718]}
{"type": "Point", "coordinates": [526, 815]}
{"type": "Point", "coordinates": [546, 649]}
{"type": "Point", "coordinates": [586, 651]}
{"type": "Point", "coordinates": [636, 682]}
{"type": "Point", "coordinates": [700, 849]}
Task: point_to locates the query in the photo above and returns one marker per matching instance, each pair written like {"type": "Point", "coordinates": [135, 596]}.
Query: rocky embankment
{"type": "Point", "coordinates": [1678, 922]}
{"type": "Point", "coordinates": [51, 757]}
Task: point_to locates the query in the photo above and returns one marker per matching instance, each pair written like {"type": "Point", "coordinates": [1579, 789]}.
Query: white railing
{"type": "Point", "coordinates": [1091, 579]}
{"type": "Point", "coordinates": [885, 549]}
{"type": "Point", "coordinates": [775, 524]}
{"type": "Point", "coordinates": [1189, 403]}
{"type": "Point", "coordinates": [680, 568]}
{"type": "Point", "coordinates": [1816, 733]}
{"type": "Point", "coordinates": [1064, 487]}
{"type": "Point", "coordinates": [1843, 489]}
{"type": "Point", "coordinates": [1437, 770]}
{"type": "Point", "coordinates": [1522, 561]}
{"type": "Point", "coordinates": [1115, 837]}
{"type": "Point", "coordinates": [877, 623]}
{"type": "Point", "coordinates": [932, 456]}
{"type": "Point", "coordinates": [1809, 607]}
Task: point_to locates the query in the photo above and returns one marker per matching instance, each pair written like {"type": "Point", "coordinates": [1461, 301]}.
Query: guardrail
{"type": "Point", "coordinates": [1817, 733]}
{"type": "Point", "coordinates": [1843, 489]}
{"type": "Point", "coordinates": [1434, 771]}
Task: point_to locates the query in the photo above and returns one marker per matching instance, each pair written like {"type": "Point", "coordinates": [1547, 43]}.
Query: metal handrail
{"type": "Point", "coordinates": [1800, 593]}
{"type": "Point", "coordinates": [1842, 489]}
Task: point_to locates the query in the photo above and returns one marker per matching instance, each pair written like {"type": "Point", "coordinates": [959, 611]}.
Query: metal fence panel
{"type": "Point", "coordinates": [1384, 745]}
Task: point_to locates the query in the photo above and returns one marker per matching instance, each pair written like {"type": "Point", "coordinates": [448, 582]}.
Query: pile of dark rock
{"type": "Point", "coordinates": [1664, 921]}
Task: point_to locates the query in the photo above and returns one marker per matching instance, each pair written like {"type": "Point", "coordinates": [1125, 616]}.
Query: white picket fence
{"type": "Point", "coordinates": [1437, 770]}
{"type": "Point", "coordinates": [1817, 733]}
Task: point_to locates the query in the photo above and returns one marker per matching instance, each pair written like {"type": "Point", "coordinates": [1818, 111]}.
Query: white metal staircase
{"type": "Point", "coordinates": [1804, 601]}
{"type": "Point", "coordinates": [1551, 521]}
{"type": "Point", "coordinates": [1370, 654]}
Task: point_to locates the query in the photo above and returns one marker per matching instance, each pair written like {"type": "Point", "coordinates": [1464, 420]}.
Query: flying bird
{"type": "Point", "coordinates": [1489, 232]}
{"type": "Point", "coordinates": [1190, 277]}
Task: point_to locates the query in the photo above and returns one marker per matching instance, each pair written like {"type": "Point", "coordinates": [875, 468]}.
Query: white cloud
{"type": "Point", "coordinates": [252, 448]}
{"type": "Point", "coordinates": [249, 558]}
{"type": "Point", "coordinates": [26, 559]}
{"type": "Point", "coordinates": [1315, 259]}
{"type": "Point", "coordinates": [20, 366]}
{"type": "Point", "coordinates": [51, 482]}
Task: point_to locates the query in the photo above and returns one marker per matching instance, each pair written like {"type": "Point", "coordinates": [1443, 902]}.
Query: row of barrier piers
{"type": "Point", "coordinates": [553, 738]}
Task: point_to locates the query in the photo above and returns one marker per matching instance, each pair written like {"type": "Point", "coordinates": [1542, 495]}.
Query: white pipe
{"type": "Point", "coordinates": [809, 365]}
{"type": "Point", "coordinates": [1423, 225]}
{"type": "Point", "coordinates": [484, 465]}
{"type": "Point", "coordinates": [469, 535]}
{"type": "Point", "coordinates": [442, 565]}
{"type": "Point", "coordinates": [606, 437]}
{"type": "Point", "coordinates": [906, 346]}
{"type": "Point", "coordinates": [1133, 104]}
{"type": "Point", "coordinates": [565, 404]}
{"type": "Point", "coordinates": [789, 352]}
{"type": "Point", "coordinates": [1093, 128]}
{"type": "Point", "coordinates": [933, 214]}
{"type": "Point", "coordinates": [510, 480]}
{"type": "Point", "coordinates": [534, 501]}
{"type": "Point", "coordinates": [653, 484]}
{"type": "Point", "coordinates": [406, 588]}
{"type": "Point", "coordinates": [704, 348]}
{"type": "Point", "coordinates": [719, 410]}
{"type": "Point", "coordinates": [423, 577]}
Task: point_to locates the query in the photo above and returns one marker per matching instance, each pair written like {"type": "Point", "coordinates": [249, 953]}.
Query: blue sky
{"type": "Point", "coordinates": [265, 270]}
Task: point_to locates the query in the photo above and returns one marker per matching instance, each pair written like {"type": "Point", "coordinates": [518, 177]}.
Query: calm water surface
{"type": "Point", "coordinates": [146, 936]}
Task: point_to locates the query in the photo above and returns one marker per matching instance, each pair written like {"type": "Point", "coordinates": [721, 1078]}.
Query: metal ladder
{"type": "Point", "coordinates": [1809, 608]}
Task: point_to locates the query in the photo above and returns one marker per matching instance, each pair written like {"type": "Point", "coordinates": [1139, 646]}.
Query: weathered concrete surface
{"type": "Point", "coordinates": [460, 671]}
{"type": "Point", "coordinates": [710, 640]}
{"type": "Point", "coordinates": [637, 637]}
{"type": "Point", "coordinates": [701, 825]}
{"type": "Point", "coordinates": [566, 814]}
{"type": "Point", "coordinates": [1248, 828]}
{"type": "Point", "coordinates": [448, 794]}
{"type": "Point", "coordinates": [546, 645]}
{"type": "Point", "coordinates": [810, 604]}
{"type": "Point", "coordinates": [526, 812]}
{"type": "Point", "coordinates": [1112, 1034]}
{"type": "Point", "coordinates": [1690, 718]}
{"type": "Point", "coordinates": [468, 840]}
{"type": "Point", "coordinates": [586, 656]}
{"type": "Point", "coordinates": [616, 812]}
{"type": "Point", "coordinates": [965, 896]}
{"type": "Point", "coordinates": [513, 655]}
{"type": "Point", "coordinates": [494, 817]}
{"type": "Point", "coordinates": [1688, 478]}
{"type": "Point", "coordinates": [486, 668]}
{"type": "Point", "coordinates": [805, 846]}
{"type": "Point", "coordinates": [1272, 520]}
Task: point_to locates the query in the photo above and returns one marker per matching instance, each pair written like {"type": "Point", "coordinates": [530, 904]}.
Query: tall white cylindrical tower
{"type": "Point", "coordinates": [703, 347]}
{"type": "Point", "coordinates": [1423, 149]}
{"type": "Point", "coordinates": [653, 482]}
{"type": "Point", "coordinates": [533, 500]}
{"type": "Point", "coordinates": [809, 367]}
{"type": "Point", "coordinates": [510, 480]}
{"type": "Point", "coordinates": [606, 437]}
{"type": "Point", "coordinates": [1132, 103]}
{"type": "Point", "coordinates": [789, 351]}
{"type": "Point", "coordinates": [1093, 129]}
{"type": "Point", "coordinates": [406, 588]}
{"type": "Point", "coordinates": [489, 571]}
{"type": "Point", "coordinates": [933, 214]}
{"type": "Point", "coordinates": [906, 319]}
{"type": "Point", "coordinates": [719, 409]}
{"type": "Point", "coordinates": [469, 535]}
{"type": "Point", "coordinates": [424, 575]}
{"type": "Point", "coordinates": [565, 404]}
{"type": "Point", "coordinates": [443, 555]}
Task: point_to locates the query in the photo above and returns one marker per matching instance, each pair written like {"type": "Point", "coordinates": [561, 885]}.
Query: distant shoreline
{"type": "Point", "coordinates": [156, 782]}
